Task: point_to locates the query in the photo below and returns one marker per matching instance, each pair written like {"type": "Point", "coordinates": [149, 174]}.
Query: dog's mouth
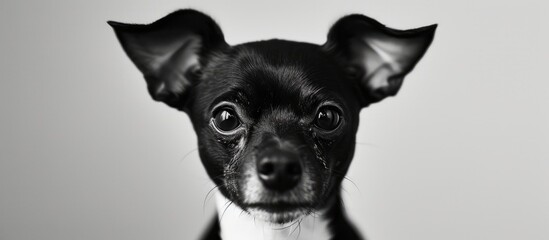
{"type": "Point", "coordinates": [279, 212]}
{"type": "Point", "coordinates": [278, 207]}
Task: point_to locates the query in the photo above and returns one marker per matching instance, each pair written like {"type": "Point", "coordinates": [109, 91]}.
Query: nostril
{"type": "Point", "coordinates": [293, 169]}
{"type": "Point", "coordinates": [279, 171]}
{"type": "Point", "coordinates": [266, 168]}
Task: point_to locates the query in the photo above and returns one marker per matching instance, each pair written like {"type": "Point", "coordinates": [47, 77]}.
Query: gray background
{"type": "Point", "coordinates": [461, 153]}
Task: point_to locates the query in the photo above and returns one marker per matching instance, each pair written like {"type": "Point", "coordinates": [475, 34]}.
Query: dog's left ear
{"type": "Point", "coordinates": [377, 56]}
{"type": "Point", "coordinates": [170, 52]}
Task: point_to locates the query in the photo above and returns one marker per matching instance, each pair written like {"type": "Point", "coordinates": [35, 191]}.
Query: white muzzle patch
{"type": "Point", "coordinates": [237, 224]}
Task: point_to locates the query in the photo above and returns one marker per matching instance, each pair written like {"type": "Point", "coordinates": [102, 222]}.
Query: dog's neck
{"type": "Point", "coordinates": [236, 224]}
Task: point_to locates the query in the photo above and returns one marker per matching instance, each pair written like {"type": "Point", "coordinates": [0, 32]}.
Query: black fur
{"type": "Point", "coordinates": [276, 89]}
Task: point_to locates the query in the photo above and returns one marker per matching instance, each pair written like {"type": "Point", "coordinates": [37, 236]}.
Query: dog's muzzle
{"type": "Point", "coordinates": [279, 169]}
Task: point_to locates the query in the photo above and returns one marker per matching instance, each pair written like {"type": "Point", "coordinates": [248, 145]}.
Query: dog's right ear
{"type": "Point", "coordinates": [169, 52]}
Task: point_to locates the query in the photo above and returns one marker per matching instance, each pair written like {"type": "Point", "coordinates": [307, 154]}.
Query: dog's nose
{"type": "Point", "coordinates": [279, 170]}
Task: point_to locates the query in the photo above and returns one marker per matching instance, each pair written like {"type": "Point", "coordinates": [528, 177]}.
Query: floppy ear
{"type": "Point", "coordinates": [169, 52]}
{"type": "Point", "coordinates": [377, 56]}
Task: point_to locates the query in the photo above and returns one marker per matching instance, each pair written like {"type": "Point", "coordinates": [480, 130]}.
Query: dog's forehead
{"type": "Point", "coordinates": [285, 61]}
{"type": "Point", "coordinates": [276, 72]}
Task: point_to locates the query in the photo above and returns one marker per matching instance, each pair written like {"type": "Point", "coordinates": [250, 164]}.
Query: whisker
{"type": "Point", "coordinates": [351, 181]}
{"type": "Point", "coordinates": [339, 174]}
{"type": "Point", "coordinates": [298, 227]}
{"type": "Point", "coordinates": [223, 214]}
{"type": "Point", "coordinates": [285, 227]}
{"type": "Point", "coordinates": [206, 199]}
{"type": "Point", "coordinates": [344, 190]}
{"type": "Point", "coordinates": [241, 212]}
{"type": "Point", "coordinates": [314, 213]}
{"type": "Point", "coordinates": [225, 174]}
{"type": "Point", "coordinates": [187, 154]}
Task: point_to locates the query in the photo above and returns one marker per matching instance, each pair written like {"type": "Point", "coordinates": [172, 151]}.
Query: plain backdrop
{"type": "Point", "coordinates": [461, 153]}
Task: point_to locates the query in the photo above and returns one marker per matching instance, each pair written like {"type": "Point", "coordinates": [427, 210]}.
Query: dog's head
{"type": "Point", "coordinates": [276, 120]}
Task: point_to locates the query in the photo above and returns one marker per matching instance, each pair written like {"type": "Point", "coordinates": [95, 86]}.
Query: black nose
{"type": "Point", "coordinates": [279, 170]}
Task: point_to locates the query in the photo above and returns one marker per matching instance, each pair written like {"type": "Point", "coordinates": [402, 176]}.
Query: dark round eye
{"type": "Point", "coordinates": [226, 120]}
{"type": "Point", "coordinates": [328, 118]}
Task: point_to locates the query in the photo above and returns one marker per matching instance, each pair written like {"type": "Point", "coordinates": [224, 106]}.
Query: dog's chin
{"type": "Point", "coordinates": [277, 214]}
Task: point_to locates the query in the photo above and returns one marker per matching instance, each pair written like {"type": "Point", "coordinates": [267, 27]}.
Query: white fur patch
{"type": "Point", "coordinates": [255, 192]}
{"type": "Point", "coordinates": [236, 224]}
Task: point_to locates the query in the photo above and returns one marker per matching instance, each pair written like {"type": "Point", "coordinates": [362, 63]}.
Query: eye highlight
{"type": "Point", "coordinates": [226, 120]}
{"type": "Point", "coordinates": [328, 118]}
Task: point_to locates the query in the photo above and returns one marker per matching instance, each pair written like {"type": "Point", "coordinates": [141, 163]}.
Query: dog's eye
{"type": "Point", "coordinates": [226, 120]}
{"type": "Point", "coordinates": [328, 118]}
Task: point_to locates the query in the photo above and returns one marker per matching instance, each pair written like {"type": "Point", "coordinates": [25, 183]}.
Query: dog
{"type": "Point", "coordinates": [276, 120]}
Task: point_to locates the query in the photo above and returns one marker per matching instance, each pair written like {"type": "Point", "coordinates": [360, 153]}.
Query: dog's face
{"type": "Point", "coordinates": [276, 126]}
{"type": "Point", "coordinates": [276, 120]}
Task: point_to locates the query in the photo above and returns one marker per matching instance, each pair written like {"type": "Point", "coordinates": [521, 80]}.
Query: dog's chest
{"type": "Point", "coordinates": [235, 224]}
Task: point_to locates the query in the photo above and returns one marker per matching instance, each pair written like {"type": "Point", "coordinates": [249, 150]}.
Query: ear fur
{"type": "Point", "coordinates": [377, 56]}
{"type": "Point", "coordinates": [170, 51]}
